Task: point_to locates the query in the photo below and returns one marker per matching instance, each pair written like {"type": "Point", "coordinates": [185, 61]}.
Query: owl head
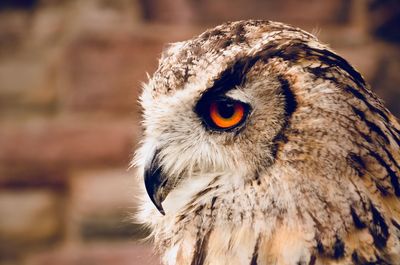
{"type": "Point", "coordinates": [242, 100]}
{"type": "Point", "coordinates": [260, 143]}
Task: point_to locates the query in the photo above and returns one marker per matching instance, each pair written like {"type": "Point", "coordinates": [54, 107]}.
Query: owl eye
{"type": "Point", "coordinates": [225, 114]}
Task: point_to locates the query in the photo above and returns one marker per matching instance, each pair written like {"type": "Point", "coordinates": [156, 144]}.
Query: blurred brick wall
{"type": "Point", "coordinates": [70, 73]}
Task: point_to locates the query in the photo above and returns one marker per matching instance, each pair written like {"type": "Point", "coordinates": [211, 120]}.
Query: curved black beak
{"type": "Point", "coordinates": [155, 181]}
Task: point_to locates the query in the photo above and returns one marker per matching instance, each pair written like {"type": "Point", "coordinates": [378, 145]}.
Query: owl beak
{"type": "Point", "coordinates": [155, 181]}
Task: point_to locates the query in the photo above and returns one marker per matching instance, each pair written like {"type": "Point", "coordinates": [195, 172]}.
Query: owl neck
{"type": "Point", "coordinates": [237, 219]}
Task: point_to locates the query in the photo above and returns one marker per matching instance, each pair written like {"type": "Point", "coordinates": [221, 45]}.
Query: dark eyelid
{"type": "Point", "coordinates": [233, 76]}
{"type": "Point", "coordinates": [229, 79]}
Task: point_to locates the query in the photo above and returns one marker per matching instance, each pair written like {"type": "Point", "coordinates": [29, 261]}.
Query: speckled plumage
{"type": "Point", "coordinates": [311, 178]}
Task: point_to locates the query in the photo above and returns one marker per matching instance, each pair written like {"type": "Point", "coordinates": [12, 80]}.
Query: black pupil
{"type": "Point", "coordinates": [226, 109]}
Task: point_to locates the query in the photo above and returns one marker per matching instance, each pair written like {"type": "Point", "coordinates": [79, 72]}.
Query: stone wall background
{"type": "Point", "coordinates": [70, 73]}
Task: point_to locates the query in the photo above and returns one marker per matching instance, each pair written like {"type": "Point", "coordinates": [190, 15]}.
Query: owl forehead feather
{"type": "Point", "coordinates": [220, 48]}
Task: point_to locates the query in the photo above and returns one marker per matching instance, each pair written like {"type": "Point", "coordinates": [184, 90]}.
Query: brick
{"type": "Point", "coordinates": [105, 189]}
{"type": "Point", "coordinates": [102, 16]}
{"type": "Point", "coordinates": [55, 22]}
{"type": "Point", "coordinates": [208, 11]}
{"type": "Point", "coordinates": [13, 31]}
{"type": "Point", "coordinates": [35, 91]}
{"type": "Point", "coordinates": [105, 74]}
{"type": "Point", "coordinates": [21, 56]}
{"type": "Point", "coordinates": [28, 220]}
{"type": "Point", "coordinates": [178, 11]}
{"type": "Point", "coordinates": [15, 176]}
{"type": "Point", "coordinates": [103, 204]}
{"type": "Point", "coordinates": [46, 25]}
{"type": "Point", "coordinates": [105, 71]}
{"type": "Point", "coordinates": [66, 142]}
{"type": "Point", "coordinates": [99, 254]}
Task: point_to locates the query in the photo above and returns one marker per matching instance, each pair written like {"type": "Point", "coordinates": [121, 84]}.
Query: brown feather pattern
{"type": "Point", "coordinates": [312, 177]}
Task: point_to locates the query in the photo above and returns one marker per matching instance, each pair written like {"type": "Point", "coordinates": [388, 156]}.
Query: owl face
{"type": "Point", "coordinates": [215, 107]}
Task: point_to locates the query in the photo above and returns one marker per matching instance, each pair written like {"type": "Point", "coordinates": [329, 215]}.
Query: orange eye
{"type": "Point", "coordinates": [225, 114]}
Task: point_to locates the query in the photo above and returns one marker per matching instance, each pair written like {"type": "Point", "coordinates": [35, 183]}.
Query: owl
{"type": "Point", "coordinates": [262, 146]}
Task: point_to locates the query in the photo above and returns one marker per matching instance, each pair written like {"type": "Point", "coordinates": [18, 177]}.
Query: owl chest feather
{"type": "Point", "coordinates": [243, 225]}
{"type": "Point", "coordinates": [264, 223]}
